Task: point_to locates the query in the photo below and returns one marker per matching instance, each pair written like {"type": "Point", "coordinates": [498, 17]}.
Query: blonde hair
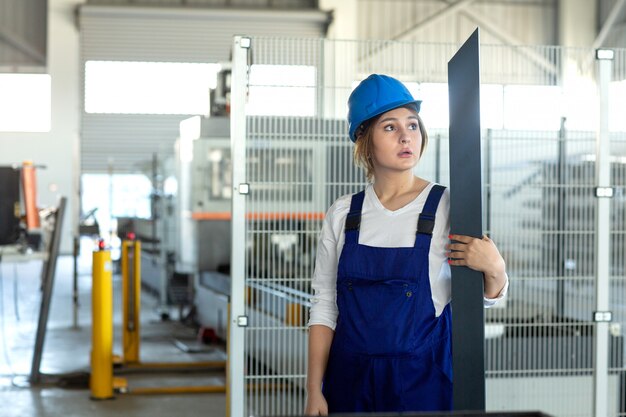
{"type": "Point", "coordinates": [364, 146]}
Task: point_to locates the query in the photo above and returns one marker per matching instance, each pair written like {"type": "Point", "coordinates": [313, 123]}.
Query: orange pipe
{"type": "Point", "coordinates": [178, 390]}
{"type": "Point", "coordinates": [175, 365]}
{"type": "Point", "coordinates": [211, 216]}
{"type": "Point", "coordinates": [226, 215]}
{"type": "Point", "coordinates": [205, 389]}
{"type": "Point", "coordinates": [29, 186]}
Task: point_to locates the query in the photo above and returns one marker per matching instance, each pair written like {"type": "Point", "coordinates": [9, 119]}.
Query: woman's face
{"type": "Point", "coordinates": [397, 141]}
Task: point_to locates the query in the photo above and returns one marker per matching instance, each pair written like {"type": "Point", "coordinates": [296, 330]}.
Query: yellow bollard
{"type": "Point", "coordinates": [293, 314]}
{"type": "Point", "coordinates": [227, 384]}
{"type": "Point", "coordinates": [101, 378]}
{"type": "Point", "coordinates": [131, 300]}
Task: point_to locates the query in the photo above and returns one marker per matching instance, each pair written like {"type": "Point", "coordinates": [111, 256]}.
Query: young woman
{"type": "Point", "coordinates": [380, 328]}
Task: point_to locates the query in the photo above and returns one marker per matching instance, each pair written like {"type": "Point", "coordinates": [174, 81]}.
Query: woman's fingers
{"type": "Point", "coordinates": [457, 246]}
{"type": "Point", "coordinates": [461, 238]}
{"type": "Point", "coordinates": [480, 254]}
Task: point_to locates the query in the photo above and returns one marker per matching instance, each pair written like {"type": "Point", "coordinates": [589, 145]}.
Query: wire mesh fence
{"type": "Point", "coordinates": [539, 154]}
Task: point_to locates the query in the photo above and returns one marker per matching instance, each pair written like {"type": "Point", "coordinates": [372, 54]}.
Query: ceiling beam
{"type": "Point", "coordinates": [461, 7]}
{"type": "Point", "coordinates": [608, 24]}
{"type": "Point", "coordinates": [427, 22]}
{"type": "Point", "coordinates": [20, 45]}
{"type": "Point", "coordinates": [432, 19]}
{"type": "Point", "coordinates": [510, 40]}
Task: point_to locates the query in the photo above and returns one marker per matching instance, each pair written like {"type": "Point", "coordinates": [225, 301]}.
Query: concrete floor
{"type": "Point", "coordinates": [67, 348]}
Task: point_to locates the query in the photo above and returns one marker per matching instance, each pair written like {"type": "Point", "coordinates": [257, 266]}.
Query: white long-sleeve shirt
{"type": "Point", "coordinates": [381, 227]}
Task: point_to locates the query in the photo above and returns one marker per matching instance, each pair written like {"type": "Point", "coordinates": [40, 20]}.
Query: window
{"type": "Point", "coordinates": [282, 90]}
{"type": "Point", "coordinates": [580, 104]}
{"type": "Point", "coordinates": [491, 106]}
{"type": "Point", "coordinates": [435, 110]}
{"type": "Point", "coordinates": [25, 102]}
{"type": "Point", "coordinates": [117, 195]}
{"type": "Point", "coordinates": [532, 107]}
{"type": "Point", "coordinates": [148, 87]}
{"type": "Point", "coordinates": [519, 107]}
{"type": "Point", "coordinates": [617, 104]}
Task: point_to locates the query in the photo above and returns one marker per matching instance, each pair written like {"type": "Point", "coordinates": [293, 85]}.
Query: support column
{"type": "Point", "coordinates": [577, 26]}
{"type": "Point", "coordinates": [64, 69]}
{"type": "Point", "coordinates": [345, 14]}
{"type": "Point", "coordinates": [339, 58]}
{"type": "Point", "coordinates": [577, 22]}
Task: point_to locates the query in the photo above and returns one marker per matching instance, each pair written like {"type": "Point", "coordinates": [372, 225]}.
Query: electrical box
{"type": "Point", "coordinates": [9, 205]}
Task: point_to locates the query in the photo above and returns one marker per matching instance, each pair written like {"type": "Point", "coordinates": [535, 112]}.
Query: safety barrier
{"type": "Point", "coordinates": [101, 378]}
{"type": "Point", "coordinates": [103, 383]}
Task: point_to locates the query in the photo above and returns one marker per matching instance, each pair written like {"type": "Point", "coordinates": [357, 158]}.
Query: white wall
{"type": "Point", "coordinates": [57, 149]}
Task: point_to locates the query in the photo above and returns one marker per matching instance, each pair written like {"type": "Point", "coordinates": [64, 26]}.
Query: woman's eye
{"type": "Point", "coordinates": [413, 126]}
{"type": "Point", "coordinates": [388, 128]}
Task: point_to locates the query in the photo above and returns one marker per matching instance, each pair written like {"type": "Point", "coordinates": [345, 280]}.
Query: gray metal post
{"type": "Point", "coordinates": [468, 321]}
{"type": "Point", "coordinates": [159, 234]}
{"type": "Point", "coordinates": [488, 178]}
{"type": "Point", "coordinates": [48, 271]}
{"type": "Point", "coordinates": [238, 318]}
{"type": "Point", "coordinates": [602, 315]}
{"type": "Point", "coordinates": [130, 287]}
{"type": "Point", "coordinates": [561, 204]}
{"type": "Point", "coordinates": [438, 159]}
{"type": "Point", "coordinates": [75, 303]}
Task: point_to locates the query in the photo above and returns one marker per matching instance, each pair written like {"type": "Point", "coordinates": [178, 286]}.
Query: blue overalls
{"type": "Point", "coordinates": [389, 352]}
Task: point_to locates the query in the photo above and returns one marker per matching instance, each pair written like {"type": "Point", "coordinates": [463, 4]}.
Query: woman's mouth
{"type": "Point", "coordinates": [407, 153]}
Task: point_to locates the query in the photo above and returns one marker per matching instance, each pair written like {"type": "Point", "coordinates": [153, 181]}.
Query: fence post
{"type": "Point", "coordinates": [602, 315]}
{"type": "Point", "coordinates": [236, 334]}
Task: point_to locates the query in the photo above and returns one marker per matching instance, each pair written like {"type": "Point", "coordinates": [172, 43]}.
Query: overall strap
{"type": "Point", "coordinates": [353, 219]}
{"type": "Point", "coordinates": [426, 221]}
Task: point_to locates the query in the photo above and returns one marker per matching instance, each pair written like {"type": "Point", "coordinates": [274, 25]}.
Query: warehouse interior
{"type": "Point", "coordinates": [175, 158]}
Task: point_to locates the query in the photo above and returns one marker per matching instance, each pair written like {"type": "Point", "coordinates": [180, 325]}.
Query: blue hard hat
{"type": "Point", "coordinates": [374, 96]}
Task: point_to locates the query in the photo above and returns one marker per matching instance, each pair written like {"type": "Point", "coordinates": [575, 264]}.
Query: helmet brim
{"type": "Point", "coordinates": [384, 109]}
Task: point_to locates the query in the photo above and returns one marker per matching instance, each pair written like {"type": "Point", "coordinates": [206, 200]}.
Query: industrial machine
{"type": "Point", "coordinates": [283, 220]}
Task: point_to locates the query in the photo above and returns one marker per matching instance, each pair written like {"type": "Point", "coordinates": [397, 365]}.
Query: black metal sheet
{"type": "Point", "coordinates": [466, 219]}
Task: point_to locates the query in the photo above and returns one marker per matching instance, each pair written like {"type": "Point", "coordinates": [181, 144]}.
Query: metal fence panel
{"type": "Point", "coordinates": [540, 210]}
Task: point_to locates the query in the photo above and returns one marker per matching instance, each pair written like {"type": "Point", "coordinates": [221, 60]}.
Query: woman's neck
{"type": "Point", "coordinates": [395, 191]}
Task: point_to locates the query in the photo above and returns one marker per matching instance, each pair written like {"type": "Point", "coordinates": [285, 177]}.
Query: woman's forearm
{"type": "Point", "coordinates": [494, 283]}
{"type": "Point", "coordinates": [320, 339]}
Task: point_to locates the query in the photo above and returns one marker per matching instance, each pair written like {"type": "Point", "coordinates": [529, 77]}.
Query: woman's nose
{"type": "Point", "coordinates": [405, 136]}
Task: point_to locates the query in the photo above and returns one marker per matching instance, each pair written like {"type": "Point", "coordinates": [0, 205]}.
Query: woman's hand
{"type": "Point", "coordinates": [316, 404]}
{"type": "Point", "coordinates": [480, 255]}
